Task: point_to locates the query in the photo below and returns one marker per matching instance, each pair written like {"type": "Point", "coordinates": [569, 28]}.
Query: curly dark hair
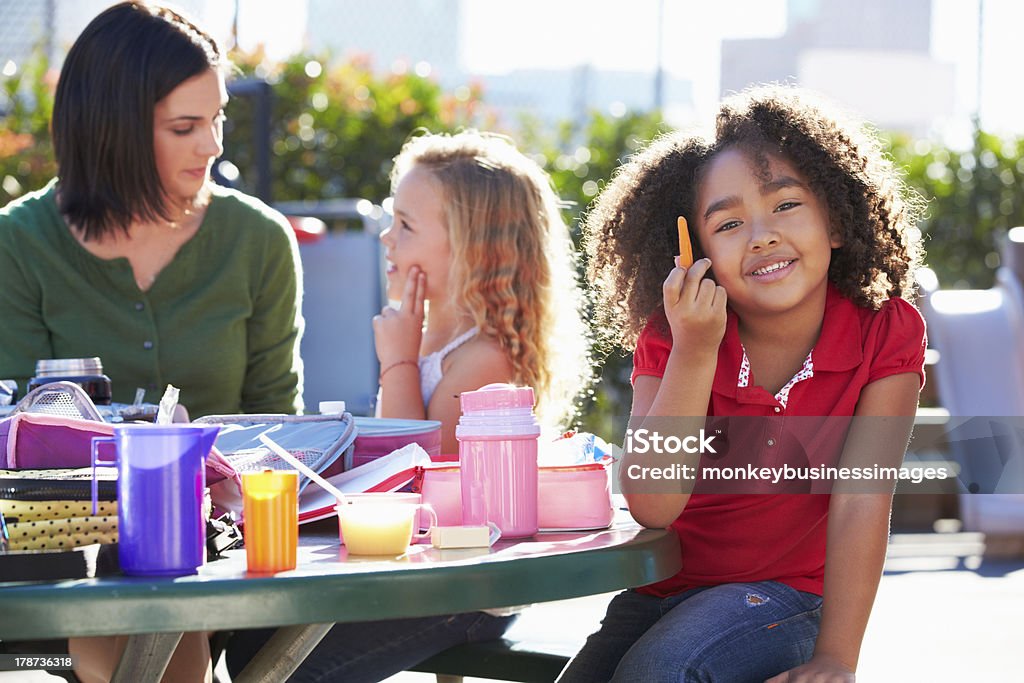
{"type": "Point", "coordinates": [630, 232]}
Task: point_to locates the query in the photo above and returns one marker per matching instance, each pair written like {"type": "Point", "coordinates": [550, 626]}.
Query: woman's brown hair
{"type": "Point", "coordinates": [125, 61]}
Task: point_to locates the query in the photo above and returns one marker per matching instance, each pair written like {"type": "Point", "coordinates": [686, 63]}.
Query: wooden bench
{"type": "Point", "coordinates": [505, 660]}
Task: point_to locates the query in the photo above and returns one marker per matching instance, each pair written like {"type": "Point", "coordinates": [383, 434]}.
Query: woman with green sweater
{"type": "Point", "coordinates": [132, 254]}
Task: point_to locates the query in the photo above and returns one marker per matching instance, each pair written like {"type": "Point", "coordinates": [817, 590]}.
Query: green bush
{"type": "Point", "coordinates": [581, 160]}
{"type": "Point", "coordinates": [974, 197]}
{"type": "Point", "coordinates": [26, 152]}
{"type": "Point", "coordinates": [336, 126]}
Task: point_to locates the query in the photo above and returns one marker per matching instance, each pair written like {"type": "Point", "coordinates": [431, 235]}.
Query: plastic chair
{"type": "Point", "coordinates": [980, 375]}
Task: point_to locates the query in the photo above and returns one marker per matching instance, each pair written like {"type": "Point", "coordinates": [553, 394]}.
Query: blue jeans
{"type": "Point", "coordinates": [730, 633]}
{"type": "Point", "coordinates": [373, 651]}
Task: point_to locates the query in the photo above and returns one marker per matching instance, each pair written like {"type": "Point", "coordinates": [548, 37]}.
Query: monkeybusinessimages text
{"type": "Point", "coordinates": [644, 441]}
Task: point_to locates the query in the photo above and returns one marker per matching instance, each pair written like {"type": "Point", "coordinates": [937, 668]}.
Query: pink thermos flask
{"type": "Point", "coordinates": [497, 436]}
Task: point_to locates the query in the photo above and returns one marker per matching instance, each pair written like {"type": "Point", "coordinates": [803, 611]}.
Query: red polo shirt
{"type": "Point", "coordinates": [746, 538]}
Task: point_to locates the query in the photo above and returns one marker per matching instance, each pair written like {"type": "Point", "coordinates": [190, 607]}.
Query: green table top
{"type": "Point", "coordinates": [328, 586]}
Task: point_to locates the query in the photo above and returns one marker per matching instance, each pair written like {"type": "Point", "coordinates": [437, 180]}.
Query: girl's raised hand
{"type": "Point", "coordinates": [397, 333]}
{"type": "Point", "coordinates": [695, 307]}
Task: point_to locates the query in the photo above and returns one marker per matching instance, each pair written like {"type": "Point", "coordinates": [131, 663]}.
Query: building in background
{"type": "Point", "coordinates": [428, 32]}
{"type": "Point", "coordinates": [391, 32]}
{"type": "Point", "coordinates": [872, 56]}
{"type": "Point", "coordinates": [553, 95]}
{"type": "Point", "coordinates": [53, 25]}
{"type": "Point", "coordinates": [24, 27]}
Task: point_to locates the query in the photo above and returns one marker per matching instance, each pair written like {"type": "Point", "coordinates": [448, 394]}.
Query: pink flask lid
{"type": "Point", "coordinates": [497, 396]}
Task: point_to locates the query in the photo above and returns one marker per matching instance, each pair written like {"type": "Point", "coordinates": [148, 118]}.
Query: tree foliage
{"type": "Point", "coordinates": [26, 151]}
{"type": "Point", "coordinates": [974, 196]}
{"type": "Point", "coordinates": [581, 159]}
{"type": "Point", "coordinates": [335, 126]}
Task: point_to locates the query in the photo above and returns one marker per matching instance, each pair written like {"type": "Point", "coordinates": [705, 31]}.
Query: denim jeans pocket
{"type": "Point", "coordinates": [813, 611]}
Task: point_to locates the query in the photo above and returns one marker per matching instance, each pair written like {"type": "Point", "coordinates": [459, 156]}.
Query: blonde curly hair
{"type": "Point", "coordinates": [513, 263]}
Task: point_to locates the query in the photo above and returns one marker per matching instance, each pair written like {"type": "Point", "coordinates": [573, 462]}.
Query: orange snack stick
{"type": "Point", "coordinates": [685, 250]}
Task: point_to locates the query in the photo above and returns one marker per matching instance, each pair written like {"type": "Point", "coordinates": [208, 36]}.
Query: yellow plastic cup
{"type": "Point", "coordinates": [270, 503]}
{"type": "Point", "coordinates": [382, 523]}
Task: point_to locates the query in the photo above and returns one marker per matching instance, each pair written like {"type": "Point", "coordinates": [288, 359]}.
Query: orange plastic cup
{"type": "Point", "coordinates": [270, 503]}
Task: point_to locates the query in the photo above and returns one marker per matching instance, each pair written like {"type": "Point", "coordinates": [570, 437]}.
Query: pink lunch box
{"type": "Point", "coordinates": [570, 497]}
{"type": "Point", "coordinates": [44, 441]}
{"type": "Point", "coordinates": [575, 496]}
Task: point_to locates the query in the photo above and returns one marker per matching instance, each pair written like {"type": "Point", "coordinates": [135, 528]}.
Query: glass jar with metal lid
{"type": "Point", "coordinates": [85, 372]}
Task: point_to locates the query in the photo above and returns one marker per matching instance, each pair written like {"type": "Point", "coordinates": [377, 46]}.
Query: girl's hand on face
{"type": "Point", "coordinates": [695, 307]}
{"type": "Point", "coordinates": [397, 333]}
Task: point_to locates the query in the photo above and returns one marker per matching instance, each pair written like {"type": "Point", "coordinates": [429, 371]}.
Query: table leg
{"type": "Point", "coordinates": [283, 653]}
{"type": "Point", "coordinates": [145, 657]}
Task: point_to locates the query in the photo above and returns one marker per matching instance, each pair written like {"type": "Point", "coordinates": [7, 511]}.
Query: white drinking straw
{"type": "Point", "coordinates": [165, 413]}
{"type": "Point", "coordinates": [297, 464]}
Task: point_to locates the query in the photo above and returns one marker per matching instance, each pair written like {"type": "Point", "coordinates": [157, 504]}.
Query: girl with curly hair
{"type": "Point", "coordinates": [811, 236]}
{"type": "Point", "coordinates": [479, 252]}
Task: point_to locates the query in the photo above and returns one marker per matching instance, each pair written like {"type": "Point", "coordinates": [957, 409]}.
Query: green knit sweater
{"type": "Point", "coordinates": [222, 322]}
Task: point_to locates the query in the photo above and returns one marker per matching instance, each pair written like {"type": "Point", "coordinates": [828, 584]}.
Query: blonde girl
{"type": "Point", "coordinates": [479, 252]}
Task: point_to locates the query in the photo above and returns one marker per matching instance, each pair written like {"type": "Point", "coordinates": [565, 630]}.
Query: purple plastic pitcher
{"type": "Point", "coordinates": [161, 477]}
{"type": "Point", "coordinates": [497, 436]}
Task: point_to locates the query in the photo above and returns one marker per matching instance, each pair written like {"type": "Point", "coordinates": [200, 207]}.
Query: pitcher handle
{"type": "Point", "coordinates": [96, 442]}
{"type": "Point", "coordinates": [418, 535]}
